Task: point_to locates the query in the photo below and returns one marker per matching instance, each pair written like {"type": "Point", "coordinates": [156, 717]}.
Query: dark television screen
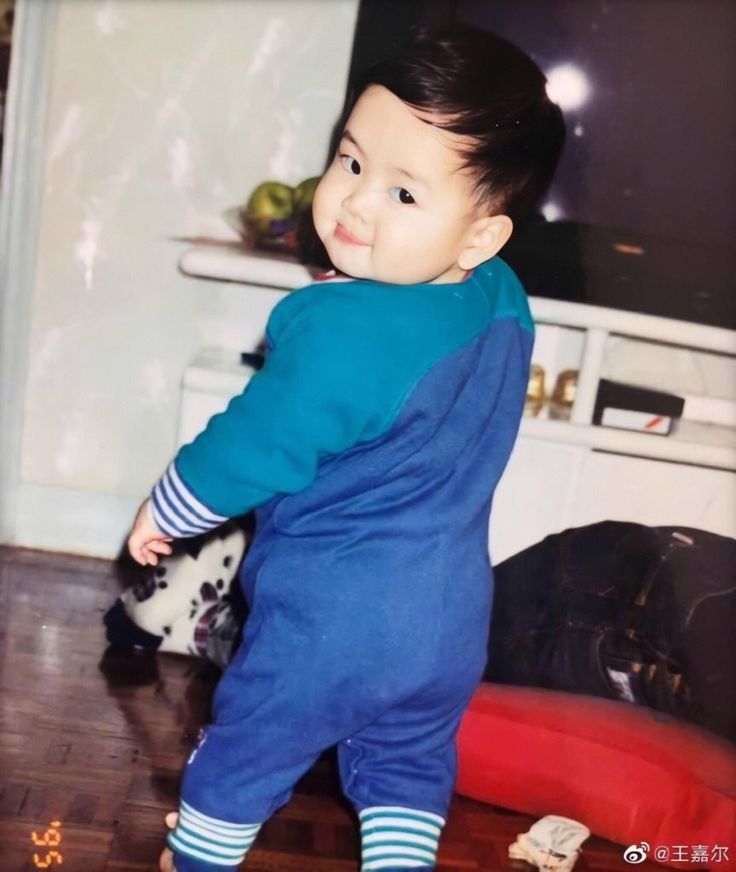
{"type": "Point", "coordinates": [642, 212]}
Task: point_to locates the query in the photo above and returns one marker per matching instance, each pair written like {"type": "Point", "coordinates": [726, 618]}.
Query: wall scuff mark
{"type": "Point", "coordinates": [86, 250]}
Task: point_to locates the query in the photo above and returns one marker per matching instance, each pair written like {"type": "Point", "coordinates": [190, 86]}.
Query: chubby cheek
{"type": "Point", "coordinates": [402, 243]}
{"type": "Point", "coordinates": [422, 251]}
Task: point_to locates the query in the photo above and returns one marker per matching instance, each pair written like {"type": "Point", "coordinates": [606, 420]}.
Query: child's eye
{"type": "Point", "coordinates": [401, 195]}
{"type": "Point", "coordinates": [350, 164]}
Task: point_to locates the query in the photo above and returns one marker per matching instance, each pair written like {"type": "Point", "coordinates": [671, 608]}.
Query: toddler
{"type": "Point", "coordinates": [370, 445]}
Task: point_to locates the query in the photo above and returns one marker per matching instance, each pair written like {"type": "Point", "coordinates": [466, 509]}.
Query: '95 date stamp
{"type": "Point", "coordinates": [49, 843]}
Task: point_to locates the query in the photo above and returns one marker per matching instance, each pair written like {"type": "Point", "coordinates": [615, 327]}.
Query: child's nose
{"type": "Point", "coordinates": [360, 202]}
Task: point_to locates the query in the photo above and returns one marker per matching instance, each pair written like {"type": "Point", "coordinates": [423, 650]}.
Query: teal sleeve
{"type": "Point", "coordinates": [312, 398]}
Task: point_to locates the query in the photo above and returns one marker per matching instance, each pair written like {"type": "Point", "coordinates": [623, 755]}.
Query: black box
{"type": "Point", "coordinates": [628, 407]}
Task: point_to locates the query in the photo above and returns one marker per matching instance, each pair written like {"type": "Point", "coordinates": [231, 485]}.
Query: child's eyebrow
{"type": "Point", "coordinates": [416, 179]}
{"type": "Point", "coordinates": [346, 134]}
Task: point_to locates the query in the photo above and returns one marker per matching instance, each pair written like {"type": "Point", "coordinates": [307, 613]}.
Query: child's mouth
{"type": "Point", "coordinates": [343, 235]}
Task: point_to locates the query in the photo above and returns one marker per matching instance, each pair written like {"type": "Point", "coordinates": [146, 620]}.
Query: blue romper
{"type": "Point", "coordinates": [370, 443]}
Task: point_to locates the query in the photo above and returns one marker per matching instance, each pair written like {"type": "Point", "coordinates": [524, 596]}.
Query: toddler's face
{"type": "Point", "coordinates": [395, 205]}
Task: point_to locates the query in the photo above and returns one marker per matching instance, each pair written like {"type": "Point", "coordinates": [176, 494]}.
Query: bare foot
{"type": "Point", "coordinates": [166, 863]}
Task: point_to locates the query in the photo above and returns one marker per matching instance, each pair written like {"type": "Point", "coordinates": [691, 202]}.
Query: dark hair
{"type": "Point", "coordinates": [488, 89]}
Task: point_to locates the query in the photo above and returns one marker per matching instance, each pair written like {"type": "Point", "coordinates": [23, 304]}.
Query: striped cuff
{"type": "Point", "coordinates": [176, 511]}
{"type": "Point", "coordinates": [393, 837]}
{"type": "Point", "coordinates": [206, 838]}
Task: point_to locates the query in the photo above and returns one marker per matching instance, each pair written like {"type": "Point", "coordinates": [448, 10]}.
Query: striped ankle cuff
{"type": "Point", "coordinates": [393, 837]}
{"type": "Point", "coordinates": [214, 841]}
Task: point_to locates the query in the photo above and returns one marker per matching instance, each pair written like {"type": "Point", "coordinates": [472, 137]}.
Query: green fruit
{"type": "Point", "coordinates": [304, 193]}
{"type": "Point", "coordinates": [270, 201]}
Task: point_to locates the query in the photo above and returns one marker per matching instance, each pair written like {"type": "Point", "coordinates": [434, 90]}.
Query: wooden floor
{"type": "Point", "coordinates": [92, 744]}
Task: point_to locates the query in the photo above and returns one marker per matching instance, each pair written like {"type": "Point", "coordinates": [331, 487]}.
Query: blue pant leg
{"type": "Point", "coordinates": [406, 758]}
{"type": "Point", "coordinates": [399, 773]}
{"type": "Point", "coordinates": [265, 733]}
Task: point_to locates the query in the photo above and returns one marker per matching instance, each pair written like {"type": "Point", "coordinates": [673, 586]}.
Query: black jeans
{"type": "Point", "coordinates": [621, 610]}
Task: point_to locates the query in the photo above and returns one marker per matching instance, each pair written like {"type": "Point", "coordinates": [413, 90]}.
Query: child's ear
{"type": "Point", "coordinates": [485, 238]}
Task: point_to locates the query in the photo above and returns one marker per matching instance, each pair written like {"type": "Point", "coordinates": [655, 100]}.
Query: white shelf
{"type": "Point", "coordinates": [231, 262]}
{"type": "Point", "coordinates": [217, 371]}
{"type": "Point", "coordinates": [691, 442]}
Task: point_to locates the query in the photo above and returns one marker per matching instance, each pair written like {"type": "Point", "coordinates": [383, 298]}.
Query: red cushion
{"type": "Point", "coordinates": [629, 774]}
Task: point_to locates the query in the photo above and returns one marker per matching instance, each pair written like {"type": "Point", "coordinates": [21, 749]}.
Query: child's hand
{"type": "Point", "coordinates": [146, 541]}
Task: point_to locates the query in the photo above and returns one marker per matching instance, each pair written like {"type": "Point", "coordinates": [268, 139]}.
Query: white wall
{"type": "Point", "coordinates": [161, 115]}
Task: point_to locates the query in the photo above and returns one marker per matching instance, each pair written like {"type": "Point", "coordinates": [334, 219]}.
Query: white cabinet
{"type": "Point", "coordinates": [562, 473]}
{"type": "Point", "coordinates": [209, 383]}
{"type": "Point", "coordinates": [550, 485]}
